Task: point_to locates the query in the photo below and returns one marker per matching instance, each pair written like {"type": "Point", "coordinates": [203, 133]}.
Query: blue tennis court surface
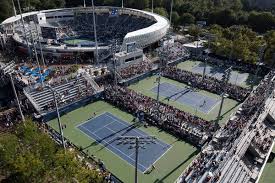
{"type": "Point", "coordinates": [186, 96]}
{"type": "Point", "coordinates": [106, 128]}
{"type": "Point", "coordinates": [218, 72]}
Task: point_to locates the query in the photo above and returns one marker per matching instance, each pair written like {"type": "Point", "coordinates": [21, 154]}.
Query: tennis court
{"type": "Point", "coordinates": [187, 96]}
{"type": "Point", "coordinates": [106, 128]}
{"type": "Point", "coordinates": [218, 72]}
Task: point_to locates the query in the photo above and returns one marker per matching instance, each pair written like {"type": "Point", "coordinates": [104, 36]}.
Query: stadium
{"type": "Point", "coordinates": [120, 88]}
{"type": "Point", "coordinates": [66, 32]}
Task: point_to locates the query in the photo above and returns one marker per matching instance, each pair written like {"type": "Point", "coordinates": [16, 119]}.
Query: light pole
{"type": "Point", "coordinates": [259, 63]}
{"type": "Point", "coordinates": [152, 6]}
{"type": "Point", "coordinates": [171, 11]}
{"type": "Point", "coordinates": [17, 100]}
{"type": "Point", "coordinates": [40, 45]}
{"type": "Point", "coordinates": [224, 96]}
{"type": "Point", "coordinates": [58, 116]}
{"type": "Point", "coordinates": [14, 9]}
{"type": "Point", "coordinates": [114, 60]}
{"type": "Point", "coordinates": [122, 4]}
{"type": "Point", "coordinates": [24, 28]}
{"type": "Point", "coordinates": [95, 35]}
{"type": "Point", "coordinates": [225, 80]}
{"type": "Point", "coordinates": [158, 80]}
{"type": "Point", "coordinates": [36, 57]}
{"type": "Point", "coordinates": [204, 69]}
{"type": "Point", "coordinates": [138, 143]}
{"type": "Point", "coordinates": [206, 59]}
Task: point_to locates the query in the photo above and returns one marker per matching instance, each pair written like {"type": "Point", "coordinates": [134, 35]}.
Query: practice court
{"type": "Point", "coordinates": [186, 96]}
{"type": "Point", "coordinates": [106, 128]}
{"type": "Point", "coordinates": [218, 72]}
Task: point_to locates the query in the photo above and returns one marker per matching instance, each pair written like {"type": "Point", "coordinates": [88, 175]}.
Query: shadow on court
{"type": "Point", "coordinates": [126, 129]}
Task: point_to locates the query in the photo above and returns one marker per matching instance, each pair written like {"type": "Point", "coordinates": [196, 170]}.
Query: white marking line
{"type": "Point", "coordinates": [140, 132]}
{"type": "Point", "coordinates": [114, 147]}
{"type": "Point", "coordinates": [202, 97]}
{"type": "Point", "coordinates": [219, 101]}
{"type": "Point", "coordinates": [89, 120]}
{"type": "Point", "coordinates": [170, 146]}
{"type": "Point", "coordinates": [107, 148]}
{"type": "Point", "coordinates": [159, 158]}
{"type": "Point", "coordinates": [213, 106]}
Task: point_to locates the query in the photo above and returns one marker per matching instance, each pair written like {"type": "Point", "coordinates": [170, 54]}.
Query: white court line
{"type": "Point", "coordinates": [170, 146]}
{"type": "Point", "coordinates": [155, 160]}
{"type": "Point", "coordinates": [159, 157]}
{"type": "Point", "coordinates": [140, 132]}
{"type": "Point", "coordinates": [89, 120]}
{"type": "Point", "coordinates": [115, 148]}
{"type": "Point", "coordinates": [108, 149]}
{"type": "Point", "coordinates": [103, 127]}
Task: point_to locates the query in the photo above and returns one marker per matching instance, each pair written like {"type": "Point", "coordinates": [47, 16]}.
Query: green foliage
{"type": "Point", "coordinates": [269, 55]}
{"type": "Point", "coordinates": [5, 9]}
{"type": "Point", "coordinates": [28, 155]}
{"type": "Point", "coordinates": [261, 22]}
{"type": "Point", "coordinates": [236, 42]}
{"type": "Point", "coordinates": [195, 31]}
{"type": "Point", "coordinates": [186, 18]}
{"type": "Point", "coordinates": [161, 11]}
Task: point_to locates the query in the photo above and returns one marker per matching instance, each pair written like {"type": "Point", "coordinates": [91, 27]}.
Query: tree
{"type": "Point", "coordinates": [261, 22]}
{"type": "Point", "coordinates": [161, 11]}
{"type": "Point", "coordinates": [29, 155]}
{"type": "Point", "coordinates": [175, 18]}
{"type": "Point", "coordinates": [195, 31]}
{"type": "Point", "coordinates": [5, 9]}
{"type": "Point", "coordinates": [241, 41]}
{"type": "Point", "coordinates": [186, 18]}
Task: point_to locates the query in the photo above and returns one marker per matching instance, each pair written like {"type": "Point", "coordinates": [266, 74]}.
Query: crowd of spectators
{"type": "Point", "coordinates": [262, 140]}
{"type": "Point", "coordinates": [135, 69]}
{"type": "Point", "coordinates": [193, 128]}
{"type": "Point", "coordinates": [8, 117]}
{"type": "Point", "coordinates": [235, 64]}
{"type": "Point", "coordinates": [208, 83]}
{"type": "Point", "coordinates": [108, 27]}
{"type": "Point", "coordinates": [173, 51]}
{"type": "Point", "coordinates": [247, 115]}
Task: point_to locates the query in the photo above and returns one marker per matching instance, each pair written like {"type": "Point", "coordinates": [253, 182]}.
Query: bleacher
{"type": "Point", "coordinates": [66, 93]}
{"type": "Point", "coordinates": [235, 171]}
{"type": "Point", "coordinates": [108, 27]}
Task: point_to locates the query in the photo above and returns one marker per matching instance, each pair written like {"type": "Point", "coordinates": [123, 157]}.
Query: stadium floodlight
{"type": "Point", "coordinates": [24, 28]}
{"type": "Point", "coordinates": [40, 45]}
{"type": "Point", "coordinates": [137, 143]}
{"type": "Point", "coordinates": [96, 45]}
{"type": "Point", "coordinates": [171, 11]}
{"type": "Point", "coordinates": [14, 9]}
{"type": "Point", "coordinates": [259, 63]}
{"type": "Point", "coordinates": [152, 6]}
{"type": "Point", "coordinates": [58, 115]}
{"type": "Point", "coordinates": [224, 96]}
{"type": "Point", "coordinates": [16, 96]}
{"type": "Point", "coordinates": [204, 68]}
{"type": "Point", "coordinates": [36, 56]}
{"type": "Point", "coordinates": [113, 49]}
